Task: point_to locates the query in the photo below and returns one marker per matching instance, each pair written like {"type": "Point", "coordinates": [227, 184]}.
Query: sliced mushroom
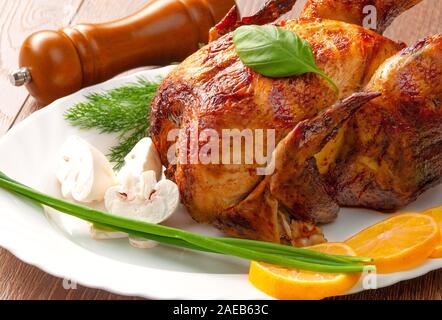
{"type": "Point", "coordinates": [143, 157]}
{"type": "Point", "coordinates": [143, 198]}
{"type": "Point", "coordinates": [98, 233]}
{"type": "Point", "coordinates": [141, 243]}
{"type": "Point", "coordinates": [83, 171]}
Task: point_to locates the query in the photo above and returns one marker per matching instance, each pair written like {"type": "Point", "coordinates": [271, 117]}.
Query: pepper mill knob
{"type": "Point", "coordinates": [54, 64]}
{"type": "Point", "coordinates": [20, 77]}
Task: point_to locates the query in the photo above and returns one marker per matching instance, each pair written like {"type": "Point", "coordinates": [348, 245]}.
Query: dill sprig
{"type": "Point", "coordinates": [124, 110]}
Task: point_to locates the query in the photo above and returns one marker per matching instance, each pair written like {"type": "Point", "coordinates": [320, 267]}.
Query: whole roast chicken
{"type": "Point", "coordinates": [375, 144]}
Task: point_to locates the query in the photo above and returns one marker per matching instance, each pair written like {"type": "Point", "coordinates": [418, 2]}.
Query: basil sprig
{"type": "Point", "coordinates": [276, 52]}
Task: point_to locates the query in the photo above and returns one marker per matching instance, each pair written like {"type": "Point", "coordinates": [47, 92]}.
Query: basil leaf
{"type": "Point", "coordinates": [275, 52]}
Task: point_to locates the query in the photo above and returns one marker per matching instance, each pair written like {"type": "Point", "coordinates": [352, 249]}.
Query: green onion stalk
{"type": "Point", "coordinates": [277, 254]}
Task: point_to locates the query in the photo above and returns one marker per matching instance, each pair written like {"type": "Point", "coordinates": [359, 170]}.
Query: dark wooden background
{"type": "Point", "coordinates": [19, 18]}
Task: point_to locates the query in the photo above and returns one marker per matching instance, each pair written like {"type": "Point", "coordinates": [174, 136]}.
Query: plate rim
{"type": "Point", "coordinates": [66, 272]}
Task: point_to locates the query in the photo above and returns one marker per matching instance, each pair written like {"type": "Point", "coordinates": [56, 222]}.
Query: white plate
{"type": "Point", "coordinates": [60, 245]}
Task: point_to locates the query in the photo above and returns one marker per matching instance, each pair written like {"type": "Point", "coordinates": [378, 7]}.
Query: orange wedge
{"type": "Point", "coordinates": [436, 213]}
{"type": "Point", "coordinates": [294, 284]}
{"type": "Point", "coordinates": [399, 243]}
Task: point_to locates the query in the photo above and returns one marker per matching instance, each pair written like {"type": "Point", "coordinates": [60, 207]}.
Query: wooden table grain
{"type": "Point", "coordinates": [20, 18]}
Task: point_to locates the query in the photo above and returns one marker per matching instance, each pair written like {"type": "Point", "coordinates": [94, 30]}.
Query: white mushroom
{"type": "Point", "coordinates": [83, 171]}
{"type": "Point", "coordinates": [143, 157]}
{"type": "Point", "coordinates": [143, 198]}
{"type": "Point", "coordinates": [141, 243]}
{"type": "Point", "coordinates": [98, 233]}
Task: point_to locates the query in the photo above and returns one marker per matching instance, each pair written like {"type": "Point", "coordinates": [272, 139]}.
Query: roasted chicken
{"type": "Point", "coordinates": [375, 144]}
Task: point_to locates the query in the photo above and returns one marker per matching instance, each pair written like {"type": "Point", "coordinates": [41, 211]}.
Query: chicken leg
{"type": "Point", "coordinates": [271, 11]}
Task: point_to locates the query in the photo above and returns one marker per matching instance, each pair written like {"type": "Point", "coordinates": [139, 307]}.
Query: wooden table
{"type": "Point", "coordinates": [20, 18]}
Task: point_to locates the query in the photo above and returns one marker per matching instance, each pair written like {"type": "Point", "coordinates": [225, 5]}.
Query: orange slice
{"type": "Point", "coordinates": [399, 243]}
{"type": "Point", "coordinates": [294, 284]}
{"type": "Point", "coordinates": [436, 213]}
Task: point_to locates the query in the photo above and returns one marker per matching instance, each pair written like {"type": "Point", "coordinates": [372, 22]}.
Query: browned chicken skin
{"type": "Point", "coordinates": [384, 157]}
{"type": "Point", "coordinates": [318, 158]}
{"type": "Point", "coordinates": [391, 151]}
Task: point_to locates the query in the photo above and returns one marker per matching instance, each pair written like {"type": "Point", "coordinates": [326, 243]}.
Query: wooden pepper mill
{"type": "Point", "coordinates": [56, 63]}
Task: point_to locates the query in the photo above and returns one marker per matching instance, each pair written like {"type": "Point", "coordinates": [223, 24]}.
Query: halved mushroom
{"type": "Point", "coordinates": [83, 171]}
{"type": "Point", "coordinates": [141, 243]}
{"type": "Point", "coordinates": [143, 157]}
{"type": "Point", "coordinates": [101, 233]}
{"type": "Point", "coordinates": [143, 198]}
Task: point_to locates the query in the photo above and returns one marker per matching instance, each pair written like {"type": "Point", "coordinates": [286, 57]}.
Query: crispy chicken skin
{"type": "Point", "coordinates": [384, 156]}
{"type": "Point", "coordinates": [296, 182]}
{"type": "Point", "coordinates": [391, 150]}
{"type": "Point", "coordinates": [331, 150]}
{"type": "Point", "coordinates": [287, 204]}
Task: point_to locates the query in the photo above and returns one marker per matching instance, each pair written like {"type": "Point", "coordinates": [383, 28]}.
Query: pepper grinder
{"type": "Point", "coordinates": [54, 64]}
